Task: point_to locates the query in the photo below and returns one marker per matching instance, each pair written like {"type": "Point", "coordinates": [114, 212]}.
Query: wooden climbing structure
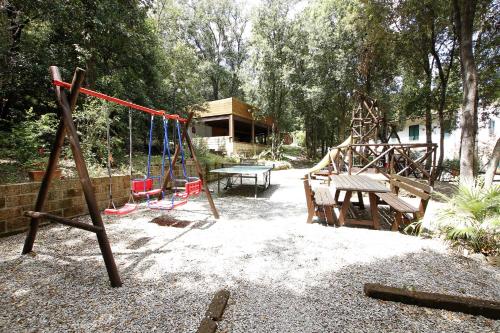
{"type": "Point", "coordinates": [368, 147]}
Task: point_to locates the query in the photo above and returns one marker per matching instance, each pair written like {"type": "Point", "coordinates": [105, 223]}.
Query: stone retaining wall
{"type": "Point", "coordinates": [66, 197]}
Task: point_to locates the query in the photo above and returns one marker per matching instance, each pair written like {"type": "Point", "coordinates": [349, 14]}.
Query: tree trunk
{"type": "Point", "coordinates": [428, 114]}
{"type": "Point", "coordinates": [464, 17]}
{"type": "Point", "coordinates": [492, 165]}
{"type": "Point", "coordinates": [215, 88]}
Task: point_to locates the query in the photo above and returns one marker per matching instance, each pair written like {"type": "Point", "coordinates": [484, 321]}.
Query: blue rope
{"type": "Point", "coordinates": [166, 145]}
{"type": "Point", "coordinates": [150, 145]}
{"type": "Point", "coordinates": [182, 150]}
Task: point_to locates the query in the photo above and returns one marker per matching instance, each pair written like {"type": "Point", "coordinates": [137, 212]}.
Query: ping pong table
{"type": "Point", "coordinates": [233, 172]}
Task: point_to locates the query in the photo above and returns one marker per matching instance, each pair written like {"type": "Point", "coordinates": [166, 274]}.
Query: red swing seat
{"type": "Point", "coordinates": [126, 209]}
{"type": "Point", "coordinates": [166, 204]}
{"type": "Point", "coordinates": [192, 188]}
{"type": "Point", "coordinates": [144, 187]}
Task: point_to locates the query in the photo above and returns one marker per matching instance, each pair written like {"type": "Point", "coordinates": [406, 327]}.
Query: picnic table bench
{"type": "Point", "coordinates": [320, 202]}
{"type": "Point", "coordinates": [400, 206]}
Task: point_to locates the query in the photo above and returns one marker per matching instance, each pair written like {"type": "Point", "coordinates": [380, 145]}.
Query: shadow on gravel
{"type": "Point", "coordinates": [298, 300]}
{"type": "Point", "coordinates": [335, 302]}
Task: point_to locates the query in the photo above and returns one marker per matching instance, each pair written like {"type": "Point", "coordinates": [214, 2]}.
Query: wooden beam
{"type": "Point", "coordinates": [62, 220]}
{"type": "Point", "coordinates": [214, 118]}
{"type": "Point", "coordinates": [423, 187]}
{"type": "Point", "coordinates": [199, 170]}
{"type": "Point", "coordinates": [470, 305]}
{"type": "Point", "coordinates": [176, 156]}
{"type": "Point", "coordinates": [66, 106]}
{"type": "Point", "coordinates": [408, 158]}
{"type": "Point", "coordinates": [53, 161]}
{"type": "Point", "coordinates": [231, 127]}
{"type": "Point", "coordinates": [374, 160]}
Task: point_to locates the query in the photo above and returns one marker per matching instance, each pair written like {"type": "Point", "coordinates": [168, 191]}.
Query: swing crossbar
{"type": "Point", "coordinates": [120, 101]}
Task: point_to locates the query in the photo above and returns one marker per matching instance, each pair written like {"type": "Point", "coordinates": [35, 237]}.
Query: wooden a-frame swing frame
{"type": "Point", "coordinates": [66, 104]}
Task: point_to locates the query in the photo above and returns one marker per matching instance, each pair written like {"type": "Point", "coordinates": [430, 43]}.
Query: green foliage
{"type": "Point", "coordinates": [472, 219]}
{"type": "Point", "coordinates": [299, 64]}
{"type": "Point", "coordinates": [453, 164]}
{"type": "Point", "coordinates": [30, 140]}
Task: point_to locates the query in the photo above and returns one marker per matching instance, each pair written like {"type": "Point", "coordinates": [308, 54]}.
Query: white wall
{"type": "Point", "coordinates": [201, 129]}
{"type": "Point", "coordinates": [486, 137]}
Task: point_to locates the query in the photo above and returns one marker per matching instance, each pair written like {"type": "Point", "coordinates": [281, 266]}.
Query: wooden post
{"type": "Point", "coordinates": [434, 168]}
{"type": "Point", "coordinates": [253, 136]}
{"type": "Point", "coordinates": [231, 127]}
{"type": "Point", "coordinates": [200, 171]}
{"type": "Point", "coordinates": [52, 164]}
{"type": "Point", "coordinates": [349, 159]}
{"type": "Point", "coordinates": [65, 107]}
{"type": "Point", "coordinates": [253, 131]}
{"type": "Point", "coordinates": [175, 157]}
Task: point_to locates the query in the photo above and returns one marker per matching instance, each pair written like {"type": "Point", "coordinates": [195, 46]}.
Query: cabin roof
{"type": "Point", "coordinates": [232, 106]}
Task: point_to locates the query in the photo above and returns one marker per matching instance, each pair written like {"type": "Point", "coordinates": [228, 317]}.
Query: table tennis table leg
{"type": "Point", "coordinates": [218, 183]}
{"type": "Point", "coordinates": [256, 186]}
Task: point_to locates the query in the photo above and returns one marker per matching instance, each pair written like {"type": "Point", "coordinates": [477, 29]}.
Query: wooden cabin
{"type": "Point", "coordinates": [230, 126]}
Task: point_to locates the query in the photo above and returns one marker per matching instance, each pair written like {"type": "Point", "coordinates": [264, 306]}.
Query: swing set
{"type": "Point", "coordinates": [150, 185]}
{"type": "Point", "coordinates": [140, 188]}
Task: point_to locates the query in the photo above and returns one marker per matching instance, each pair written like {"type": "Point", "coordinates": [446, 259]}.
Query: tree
{"type": "Point", "coordinates": [464, 11]}
{"type": "Point", "coordinates": [215, 30]}
{"type": "Point", "coordinates": [269, 64]}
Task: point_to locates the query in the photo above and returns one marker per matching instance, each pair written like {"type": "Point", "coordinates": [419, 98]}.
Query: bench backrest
{"type": "Point", "coordinates": [420, 190]}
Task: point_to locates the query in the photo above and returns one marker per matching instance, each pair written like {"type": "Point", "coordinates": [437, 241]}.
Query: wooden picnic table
{"type": "Point", "coordinates": [359, 184]}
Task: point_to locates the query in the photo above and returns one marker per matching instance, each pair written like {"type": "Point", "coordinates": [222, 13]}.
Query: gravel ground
{"type": "Point", "coordinates": [283, 275]}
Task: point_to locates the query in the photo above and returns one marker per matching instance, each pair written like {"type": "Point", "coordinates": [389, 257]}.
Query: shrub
{"type": "Point", "coordinates": [472, 219]}
{"type": "Point", "coordinates": [30, 140]}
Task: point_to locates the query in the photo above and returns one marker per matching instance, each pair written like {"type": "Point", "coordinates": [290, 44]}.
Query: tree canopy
{"type": "Point", "coordinates": [297, 61]}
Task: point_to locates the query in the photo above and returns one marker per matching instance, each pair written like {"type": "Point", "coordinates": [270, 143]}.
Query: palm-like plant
{"type": "Point", "coordinates": [472, 219]}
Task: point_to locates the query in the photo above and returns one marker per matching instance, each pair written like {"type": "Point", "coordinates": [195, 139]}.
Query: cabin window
{"type": "Point", "coordinates": [413, 132]}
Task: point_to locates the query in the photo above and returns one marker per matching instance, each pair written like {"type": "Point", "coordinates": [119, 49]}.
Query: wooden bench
{"type": "Point", "coordinates": [402, 208]}
{"type": "Point", "coordinates": [319, 203]}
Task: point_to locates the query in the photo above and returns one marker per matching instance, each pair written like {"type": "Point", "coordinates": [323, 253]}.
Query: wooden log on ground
{"type": "Point", "coordinates": [214, 312]}
{"type": "Point", "coordinates": [207, 325]}
{"type": "Point", "coordinates": [218, 305]}
{"type": "Point", "coordinates": [470, 305]}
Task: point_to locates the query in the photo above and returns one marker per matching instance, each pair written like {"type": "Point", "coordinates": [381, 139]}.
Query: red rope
{"type": "Point", "coordinates": [121, 101]}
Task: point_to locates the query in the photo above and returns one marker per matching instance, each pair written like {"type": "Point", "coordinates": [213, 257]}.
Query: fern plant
{"type": "Point", "coordinates": [472, 219]}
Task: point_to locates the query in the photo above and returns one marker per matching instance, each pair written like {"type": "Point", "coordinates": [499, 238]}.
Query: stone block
{"type": "Point", "coordinates": [11, 189]}
{"type": "Point", "coordinates": [2, 202]}
{"type": "Point", "coordinates": [72, 193]}
{"type": "Point", "coordinates": [65, 203]}
{"type": "Point", "coordinates": [73, 211]}
{"type": "Point", "coordinates": [8, 213]}
{"type": "Point", "coordinates": [55, 195]}
{"type": "Point", "coordinates": [30, 187]}
{"type": "Point", "coordinates": [3, 227]}
{"type": "Point", "coordinates": [27, 199]}
{"type": "Point", "coordinates": [18, 223]}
